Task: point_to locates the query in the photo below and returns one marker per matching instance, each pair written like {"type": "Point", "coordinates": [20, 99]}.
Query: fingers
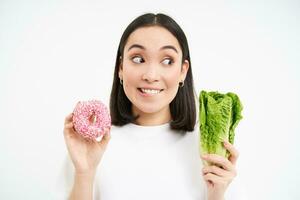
{"type": "Point", "coordinates": [216, 175]}
{"type": "Point", "coordinates": [69, 125]}
{"type": "Point", "coordinates": [215, 170]}
{"type": "Point", "coordinates": [68, 122]}
{"type": "Point", "coordinates": [69, 131]}
{"type": "Point", "coordinates": [218, 160]}
{"type": "Point", "coordinates": [222, 171]}
{"type": "Point", "coordinates": [68, 118]}
{"type": "Point", "coordinates": [234, 154]}
{"type": "Point", "coordinates": [214, 179]}
{"type": "Point", "coordinates": [105, 139]}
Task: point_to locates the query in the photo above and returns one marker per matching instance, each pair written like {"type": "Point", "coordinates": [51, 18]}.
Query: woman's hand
{"type": "Point", "coordinates": [85, 154]}
{"type": "Point", "coordinates": [220, 174]}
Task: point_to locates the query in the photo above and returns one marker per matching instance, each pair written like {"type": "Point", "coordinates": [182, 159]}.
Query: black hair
{"type": "Point", "coordinates": [182, 107]}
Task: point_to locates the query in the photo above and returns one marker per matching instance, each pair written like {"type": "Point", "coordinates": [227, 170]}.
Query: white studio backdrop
{"type": "Point", "coordinates": [55, 53]}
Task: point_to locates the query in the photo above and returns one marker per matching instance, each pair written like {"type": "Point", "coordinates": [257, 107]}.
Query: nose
{"type": "Point", "coordinates": [151, 74]}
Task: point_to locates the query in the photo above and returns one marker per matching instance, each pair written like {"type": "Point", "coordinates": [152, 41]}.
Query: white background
{"type": "Point", "coordinates": [55, 53]}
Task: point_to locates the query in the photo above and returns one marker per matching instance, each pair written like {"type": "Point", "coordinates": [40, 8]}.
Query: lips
{"type": "Point", "coordinates": [150, 91]}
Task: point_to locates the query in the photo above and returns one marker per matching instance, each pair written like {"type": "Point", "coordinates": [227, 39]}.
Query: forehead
{"type": "Point", "coordinates": [152, 38]}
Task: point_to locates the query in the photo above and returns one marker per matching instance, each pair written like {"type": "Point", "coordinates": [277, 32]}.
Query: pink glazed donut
{"type": "Point", "coordinates": [90, 118]}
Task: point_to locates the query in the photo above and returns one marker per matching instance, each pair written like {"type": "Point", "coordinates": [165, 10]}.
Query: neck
{"type": "Point", "coordinates": [151, 119]}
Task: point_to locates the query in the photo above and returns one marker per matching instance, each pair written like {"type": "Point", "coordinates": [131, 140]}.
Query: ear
{"type": "Point", "coordinates": [184, 70]}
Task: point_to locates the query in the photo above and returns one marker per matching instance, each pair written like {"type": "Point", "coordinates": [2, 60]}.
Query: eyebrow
{"type": "Point", "coordinates": [162, 48]}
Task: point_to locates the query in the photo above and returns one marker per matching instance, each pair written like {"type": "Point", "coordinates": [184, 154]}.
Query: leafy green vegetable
{"type": "Point", "coordinates": [219, 116]}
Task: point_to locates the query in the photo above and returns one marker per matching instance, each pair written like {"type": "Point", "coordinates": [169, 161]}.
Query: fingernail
{"type": "Point", "coordinates": [107, 133]}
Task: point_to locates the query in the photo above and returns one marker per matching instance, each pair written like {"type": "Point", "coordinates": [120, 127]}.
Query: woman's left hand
{"type": "Point", "coordinates": [219, 175]}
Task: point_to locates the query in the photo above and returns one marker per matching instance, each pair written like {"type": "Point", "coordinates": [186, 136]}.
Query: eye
{"type": "Point", "coordinates": [137, 59]}
{"type": "Point", "coordinates": [169, 61]}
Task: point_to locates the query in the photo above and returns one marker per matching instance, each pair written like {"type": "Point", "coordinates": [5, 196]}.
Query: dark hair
{"type": "Point", "coordinates": [182, 107]}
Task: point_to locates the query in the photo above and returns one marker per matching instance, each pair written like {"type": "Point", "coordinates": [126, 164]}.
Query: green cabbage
{"type": "Point", "coordinates": [219, 116]}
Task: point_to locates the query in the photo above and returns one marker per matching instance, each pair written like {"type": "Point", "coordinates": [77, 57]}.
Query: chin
{"type": "Point", "coordinates": [149, 109]}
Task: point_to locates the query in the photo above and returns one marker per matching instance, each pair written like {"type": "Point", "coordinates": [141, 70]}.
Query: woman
{"type": "Point", "coordinates": [151, 151]}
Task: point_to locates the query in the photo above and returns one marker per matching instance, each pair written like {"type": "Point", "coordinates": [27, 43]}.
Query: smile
{"type": "Point", "coordinates": [150, 91]}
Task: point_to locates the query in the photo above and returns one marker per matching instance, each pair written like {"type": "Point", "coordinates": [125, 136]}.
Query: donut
{"type": "Point", "coordinates": [90, 118]}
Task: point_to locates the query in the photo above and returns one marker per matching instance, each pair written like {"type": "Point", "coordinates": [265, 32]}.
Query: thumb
{"type": "Point", "coordinates": [105, 139]}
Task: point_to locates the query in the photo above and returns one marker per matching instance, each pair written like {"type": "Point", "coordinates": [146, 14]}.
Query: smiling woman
{"type": "Point", "coordinates": [153, 62]}
{"type": "Point", "coordinates": [152, 152]}
{"type": "Point", "coordinates": [151, 71]}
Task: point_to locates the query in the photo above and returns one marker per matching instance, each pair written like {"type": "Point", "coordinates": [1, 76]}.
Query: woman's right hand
{"type": "Point", "coordinates": [85, 154]}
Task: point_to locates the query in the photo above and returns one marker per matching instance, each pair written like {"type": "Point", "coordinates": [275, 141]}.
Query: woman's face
{"type": "Point", "coordinates": [151, 69]}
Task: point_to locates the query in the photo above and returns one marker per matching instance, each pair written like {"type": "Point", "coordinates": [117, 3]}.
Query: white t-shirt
{"type": "Point", "coordinates": [146, 163]}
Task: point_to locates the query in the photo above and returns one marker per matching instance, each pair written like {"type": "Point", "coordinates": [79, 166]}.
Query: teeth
{"type": "Point", "coordinates": [148, 91]}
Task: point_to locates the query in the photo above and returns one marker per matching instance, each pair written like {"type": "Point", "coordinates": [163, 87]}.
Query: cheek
{"type": "Point", "coordinates": [130, 76]}
{"type": "Point", "coordinates": [172, 78]}
{"type": "Point", "coordinates": [130, 80]}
